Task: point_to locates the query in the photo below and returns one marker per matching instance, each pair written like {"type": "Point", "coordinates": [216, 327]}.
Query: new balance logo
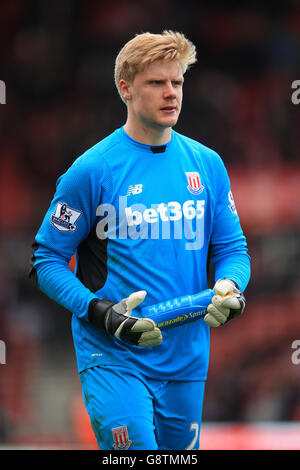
{"type": "Point", "coordinates": [134, 189]}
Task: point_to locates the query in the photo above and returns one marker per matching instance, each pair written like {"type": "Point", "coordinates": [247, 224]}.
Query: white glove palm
{"type": "Point", "coordinates": [139, 331]}
{"type": "Point", "coordinates": [228, 303]}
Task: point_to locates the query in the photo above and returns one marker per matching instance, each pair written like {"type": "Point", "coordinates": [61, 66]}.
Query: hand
{"type": "Point", "coordinates": [117, 321]}
{"type": "Point", "coordinates": [228, 303]}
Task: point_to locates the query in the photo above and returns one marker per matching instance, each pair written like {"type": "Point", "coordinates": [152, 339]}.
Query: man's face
{"type": "Point", "coordinates": [155, 95]}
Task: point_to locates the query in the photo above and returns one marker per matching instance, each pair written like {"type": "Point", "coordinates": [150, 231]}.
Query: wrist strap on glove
{"type": "Point", "coordinates": [234, 312]}
{"type": "Point", "coordinates": [97, 311]}
{"type": "Point", "coordinates": [116, 319]}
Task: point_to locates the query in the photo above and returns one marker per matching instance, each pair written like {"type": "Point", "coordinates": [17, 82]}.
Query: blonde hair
{"type": "Point", "coordinates": [146, 48]}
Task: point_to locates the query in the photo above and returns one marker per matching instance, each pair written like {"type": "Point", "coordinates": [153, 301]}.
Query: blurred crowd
{"type": "Point", "coordinates": [57, 60]}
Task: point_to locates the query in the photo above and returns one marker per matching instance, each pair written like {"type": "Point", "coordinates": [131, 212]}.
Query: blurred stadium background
{"type": "Point", "coordinates": [56, 59]}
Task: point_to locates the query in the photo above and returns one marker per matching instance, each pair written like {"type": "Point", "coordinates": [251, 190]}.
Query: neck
{"type": "Point", "coordinates": [147, 135]}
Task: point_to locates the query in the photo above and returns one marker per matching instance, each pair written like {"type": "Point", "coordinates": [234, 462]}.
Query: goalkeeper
{"type": "Point", "coordinates": [147, 209]}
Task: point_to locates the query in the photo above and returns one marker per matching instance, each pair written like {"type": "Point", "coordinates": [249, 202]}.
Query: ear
{"type": "Point", "coordinates": [125, 89]}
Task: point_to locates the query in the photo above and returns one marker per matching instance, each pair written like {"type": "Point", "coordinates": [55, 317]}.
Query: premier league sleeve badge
{"type": "Point", "coordinates": [64, 218]}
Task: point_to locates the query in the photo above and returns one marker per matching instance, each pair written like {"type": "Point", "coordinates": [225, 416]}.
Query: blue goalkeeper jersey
{"type": "Point", "coordinates": [140, 217]}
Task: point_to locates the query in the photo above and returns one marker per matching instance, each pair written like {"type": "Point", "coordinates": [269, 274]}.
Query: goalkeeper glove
{"type": "Point", "coordinates": [116, 319]}
{"type": "Point", "coordinates": [228, 303]}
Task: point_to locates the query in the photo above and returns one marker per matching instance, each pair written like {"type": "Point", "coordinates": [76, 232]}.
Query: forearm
{"type": "Point", "coordinates": [235, 266]}
{"type": "Point", "coordinates": [57, 281]}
